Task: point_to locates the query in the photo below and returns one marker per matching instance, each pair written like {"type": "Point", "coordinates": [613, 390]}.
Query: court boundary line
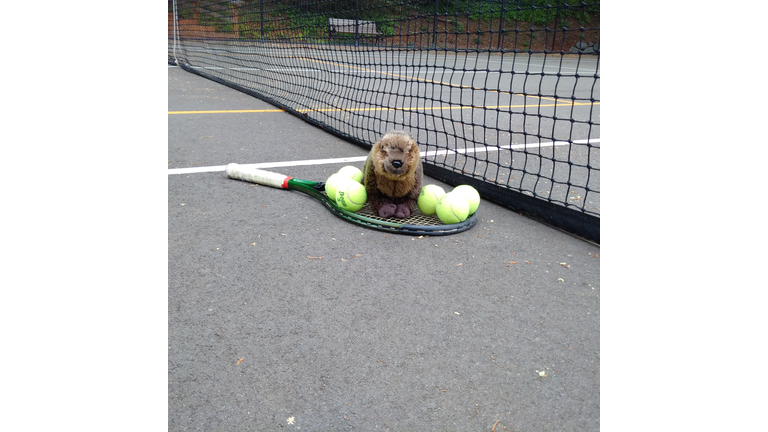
{"type": "Point", "coordinates": [427, 154]}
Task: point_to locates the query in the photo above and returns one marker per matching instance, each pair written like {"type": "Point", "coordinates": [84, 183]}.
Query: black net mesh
{"type": "Point", "coordinates": [501, 95]}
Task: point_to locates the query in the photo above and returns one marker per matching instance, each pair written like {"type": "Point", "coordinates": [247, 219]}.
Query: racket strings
{"type": "Point", "coordinates": [416, 218]}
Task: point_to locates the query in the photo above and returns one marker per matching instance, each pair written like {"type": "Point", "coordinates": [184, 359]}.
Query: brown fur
{"type": "Point", "coordinates": [392, 190]}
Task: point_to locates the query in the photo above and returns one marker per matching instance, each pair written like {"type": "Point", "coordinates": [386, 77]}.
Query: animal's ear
{"type": "Point", "coordinates": [414, 145]}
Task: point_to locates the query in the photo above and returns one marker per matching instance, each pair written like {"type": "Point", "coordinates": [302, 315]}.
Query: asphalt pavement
{"type": "Point", "coordinates": [282, 316]}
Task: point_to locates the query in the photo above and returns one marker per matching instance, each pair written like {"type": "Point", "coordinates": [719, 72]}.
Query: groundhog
{"type": "Point", "coordinates": [393, 175]}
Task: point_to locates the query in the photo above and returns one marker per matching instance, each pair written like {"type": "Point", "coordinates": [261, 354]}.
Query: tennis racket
{"type": "Point", "coordinates": [417, 224]}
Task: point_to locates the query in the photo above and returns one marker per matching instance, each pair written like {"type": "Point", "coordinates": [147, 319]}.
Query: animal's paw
{"type": "Point", "coordinates": [387, 210]}
{"type": "Point", "coordinates": [402, 211]}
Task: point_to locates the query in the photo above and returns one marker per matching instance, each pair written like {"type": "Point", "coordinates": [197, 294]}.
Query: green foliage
{"type": "Point", "coordinates": [536, 12]}
{"type": "Point", "coordinates": [185, 12]}
{"type": "Point", "coordinates": [385, 27]}
{"type": "Point", "coordinates": [308, 19]}
{"type": "Point", "coordinates": [458, 27]}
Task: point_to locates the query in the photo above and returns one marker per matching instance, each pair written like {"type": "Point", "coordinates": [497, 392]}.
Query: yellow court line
{"type": "Point", "coordinates": [562, 104]}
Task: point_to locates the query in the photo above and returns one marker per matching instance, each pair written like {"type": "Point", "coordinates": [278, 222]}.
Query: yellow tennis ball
{"type": "Point", "coordinates": [352, 172]}
{"type": "Point", "coordinates": [351, 196]}
{"type": "Point", "coordinates": [452, 208]}
{"type": "Point", "coordinates": [335, 182]}
{"type": "Point", "coordinates": [471, 195]}
{"type": "Point", "coordinates": [428, 198]}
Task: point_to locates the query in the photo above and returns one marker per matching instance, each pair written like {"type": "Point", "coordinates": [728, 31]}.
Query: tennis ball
{"type": "Point", "coordinates": [351, 196]}
{"type": "Point", "coordinates": [352, 172]}
{"type": "Point", "coordinates": [452, 208]}
{"type": "Point", "coordinates": [335, 182]}
{"type": "Point", "coordinates": [471, 195]}
{"type": "Point", "coordinates": [428, 198]}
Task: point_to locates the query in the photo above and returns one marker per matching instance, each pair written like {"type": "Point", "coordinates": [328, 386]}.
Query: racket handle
{"type": "Point", "coordinates": [255, 175]}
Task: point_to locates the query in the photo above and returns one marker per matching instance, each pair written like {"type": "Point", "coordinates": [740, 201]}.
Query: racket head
{"type": "Point", "coordinates": [416, 224]}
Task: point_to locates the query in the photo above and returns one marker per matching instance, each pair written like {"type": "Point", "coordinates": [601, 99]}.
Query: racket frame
{"type": "Point", "coordinates": [317, 191]}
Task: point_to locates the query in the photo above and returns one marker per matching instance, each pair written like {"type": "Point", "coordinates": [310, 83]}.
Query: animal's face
{"type": "Point", "coordinates": [398, 153]}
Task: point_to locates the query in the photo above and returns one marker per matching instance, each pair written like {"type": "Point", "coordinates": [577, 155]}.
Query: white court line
{"type": "Point", "coordinates": [429, 154]}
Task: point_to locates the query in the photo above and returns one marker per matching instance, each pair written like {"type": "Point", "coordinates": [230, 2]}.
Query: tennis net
{"type": "Point", "coordinates": [503, 95]}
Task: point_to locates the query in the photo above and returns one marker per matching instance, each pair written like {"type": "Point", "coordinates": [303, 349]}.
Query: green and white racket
{"type": "Point", "coordinates": [417, 224]}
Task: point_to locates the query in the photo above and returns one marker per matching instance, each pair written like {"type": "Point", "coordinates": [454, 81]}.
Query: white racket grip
{"type": "Point", "coordinates": [255, 175]}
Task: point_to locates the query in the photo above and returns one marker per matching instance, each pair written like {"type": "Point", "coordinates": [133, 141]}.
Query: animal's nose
{"type": "Point", "coordinates": [397, 164]}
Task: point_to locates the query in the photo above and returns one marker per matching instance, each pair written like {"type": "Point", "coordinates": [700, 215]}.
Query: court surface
{"type": "Point", "coordinates": [282, 316]}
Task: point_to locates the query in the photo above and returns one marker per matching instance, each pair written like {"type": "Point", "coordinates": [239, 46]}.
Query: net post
{"type": "Point", "coordinates": [501, 25]}
{"type": "Point", "coordinates": [235, 18]}
{"type": "Point", "coordinates": [357, 21]}
{"type": "Point", "coordinates": [434, 28]}
{"type": "Point", "coordinates": [175, 33]}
